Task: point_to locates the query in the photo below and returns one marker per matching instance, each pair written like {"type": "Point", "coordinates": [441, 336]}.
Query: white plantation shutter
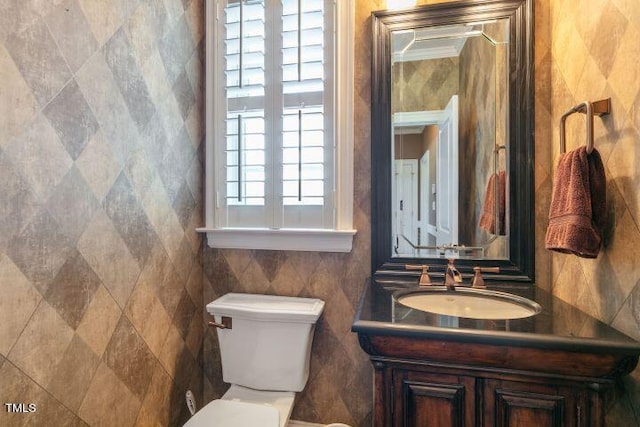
{"type": "Point", "coordinates": [276, 143]}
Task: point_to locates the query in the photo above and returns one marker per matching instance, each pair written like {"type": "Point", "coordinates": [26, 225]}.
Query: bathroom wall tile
{"type": "Point", "coordinates": [196, 74]}
{"type": "Point", "coordinates": [195, 19]}
{"type": "Point", "coordinates": [174, 165]}
{"type": "Point", "coordinates": [623, 168]}
{"type": "Point", "coordinates": [20, 105]}
{"type": "Point", "coordinates": [128, 217]}
{"type": "Point", "coordinates": [193, 339]}
{"type": "Point", "coordinates": [288, 282]}
{"type": "Point", "coordinates": [172, 349]}
{"type": "Point", "coordinates": [629, 10]}
{"type": "Point", "coordinates": [16, 386]}
{"type": "Point", "coordinates": [175, 9]}
{"type": "Point", "coordinates": [42, 344]}
{"type": "Point", "coordinates": [140, 171]}
{"type": "Point", "coordinates": [108, 255]}
{"type": "Point", "coordinates": [183, 260]}
{"type": "Point", "coordinates": [155, 77]}
{"type": "Point", "coordinates": [140, 33]}
{"type": "Point", "coordinates": [72, 33]}
{"type": "Point", "coordinates": [607, 35]}
{"type": "Point", "coordinates": [270, 262]}
{"type": "Point", "coordinates": [72, 290]}
{"type": "Point", "coordinates": [607, 291]}
{"type": "Point", "coordinates": [175, 49]}
{"type": "Point", "coordinates": [171, 234]}
{"type": "Point", "coordinates": [14, 18]}
{"type": "Point", "coordinates": [184, 205]}
{"type": "Point", "coordinates": [102, 93]}
{"type": "Point", "coordinates": [61, 224]}
{"type": "Point", "coordinates": [129, 358]}
{"type": "Point", "coordinates": [39, 157]}
{"type": "Point", "coordinates": [184, 94]}
{"type": "Point", "coordinates": [99, 321]}
{"type": "Point", "coordinates": [157, 405]}
{"type": "Point", "coordinates": [163, 279]}
{"type": "Point", "coordinates": [16, 291]}
{"type": "Point", "coordinates": [624, 246]}
{"type": "Point", "coordinates": [157, 206]}
{"type": "Point", "coordinates": [72, 204]}
{"type": "Point", "coordinates": [218, 271]}
{"type": "Point", "coordinates": [72, 119]}
{"type": "Point", "coordinates": [39, 60]}
{"type": "Point", "coordinates": [253, 280]}
{"type": "Point", "coordinates": [194, 284]}
{"type": "Point", "coordinates": [624, 77]}
{"type": "Point", "coordinates": [569, 52]}
{"type": "Point", "coordinates": [20, 204]}
{"type": "Point", "coordinates": [98, 165]}
{"type": "Point", "coordinates": [628, 318]}
{"type": "Point", "coordinates": [140, 304]}
{"type": "Point", "coordinates": [105, 394]}
{"type": "Point", "coordinates": [195, 125]}
{"type": "Point", "coordinates": [43, 240]}
{"type": "Point", "coordinates": [72, 376]}
{"type": "Point", "coordinates": [103, 16]}
{"type": "Point", "coordinates": [183, 314]}
{"type": "Point", "coordinates": [591, 81]}
{"type": "Point", "coordinates": [127, 75]}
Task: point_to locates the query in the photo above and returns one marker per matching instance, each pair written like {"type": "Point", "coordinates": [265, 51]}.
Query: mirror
{"type": "Point", "coordinates": [452, 109]}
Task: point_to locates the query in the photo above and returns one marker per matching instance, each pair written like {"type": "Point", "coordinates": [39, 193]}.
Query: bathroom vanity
{"type": "Point", "coordinates": [557, 368]}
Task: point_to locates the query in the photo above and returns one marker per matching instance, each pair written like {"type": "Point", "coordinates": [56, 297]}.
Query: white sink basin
{"type": "Point", "coordinates": [469, 303]}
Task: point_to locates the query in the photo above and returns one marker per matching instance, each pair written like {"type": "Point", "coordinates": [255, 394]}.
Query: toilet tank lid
{"type": "Point", "coordinates": [267, 307]}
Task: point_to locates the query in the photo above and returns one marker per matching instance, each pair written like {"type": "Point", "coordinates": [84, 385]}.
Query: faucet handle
{"type": "Point", "coordinates": [478, 281]}
{"type": "Point", "coordinates": [424, 275]}
{"type": "Point", "coordinates": [452, 275]}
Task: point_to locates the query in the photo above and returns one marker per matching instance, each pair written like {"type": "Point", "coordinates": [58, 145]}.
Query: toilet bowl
{"type": "Point", "coordinates": [265, 346]}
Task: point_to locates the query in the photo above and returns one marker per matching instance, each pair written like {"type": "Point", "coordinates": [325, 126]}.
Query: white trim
{"type": "Point", "coordinates": [344, 114]}
{"type": "Point", "coordinates": [337, 240]}
{"type": "Point", "coordinates": [417, 118]}
{"type": "Point", "coordinates": [284, 239]}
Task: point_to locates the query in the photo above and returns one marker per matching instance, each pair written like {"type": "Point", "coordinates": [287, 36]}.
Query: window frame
{"type": "Point", "coordinates": [336, 239]}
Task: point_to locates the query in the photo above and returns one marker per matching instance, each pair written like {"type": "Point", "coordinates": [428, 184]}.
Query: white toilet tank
{"type": "Point", "coordinates": [269, 343]}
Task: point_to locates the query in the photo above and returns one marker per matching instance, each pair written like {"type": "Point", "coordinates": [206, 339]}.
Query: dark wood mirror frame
{"type": "Point", "coordinates": [520, 264]}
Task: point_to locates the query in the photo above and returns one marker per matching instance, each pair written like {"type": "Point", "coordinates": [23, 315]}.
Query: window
{"type": "Point", "coordinates": [279, 137]}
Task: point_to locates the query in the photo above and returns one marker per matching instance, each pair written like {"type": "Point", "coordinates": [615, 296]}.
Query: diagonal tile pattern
{"type": "Point", "coordinates": [592, 53]}
{"type": "Point", "coordinates": [101, 276]}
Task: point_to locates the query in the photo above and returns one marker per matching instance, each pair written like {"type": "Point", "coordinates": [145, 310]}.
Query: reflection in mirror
{"type": "Point", "coordinates": [449, 106]}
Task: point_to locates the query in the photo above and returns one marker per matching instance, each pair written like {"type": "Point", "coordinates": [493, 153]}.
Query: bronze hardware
{"type": "Point", "coordinates": [425, 280]}
{"type": "Point", "coordinates": [226, 323]}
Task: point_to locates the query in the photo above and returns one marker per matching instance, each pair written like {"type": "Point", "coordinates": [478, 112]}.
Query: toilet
{"type": "Point", "coordinates": [265, 347]}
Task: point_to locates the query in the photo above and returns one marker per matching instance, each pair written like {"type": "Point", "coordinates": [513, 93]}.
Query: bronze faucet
{"type": "Point", "coordinates": [452, 276]}
{"type": "Point", "coordinates": [425, 280]}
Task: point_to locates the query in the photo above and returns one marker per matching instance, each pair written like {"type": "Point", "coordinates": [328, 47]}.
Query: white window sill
{"type": "Point", "coordinates": [310, 240]}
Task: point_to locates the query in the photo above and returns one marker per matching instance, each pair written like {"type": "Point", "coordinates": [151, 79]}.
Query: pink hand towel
{"type": "Point", "coordinates": [488, 217]}
{"type": "Point", "coordinates": [578, 205]}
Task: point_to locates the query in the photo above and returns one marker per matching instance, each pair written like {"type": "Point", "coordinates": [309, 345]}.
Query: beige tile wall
{"type": "Point", "coordinates": [583, 49]}
{"type": "Point", "coordinates": [591, 52]}
{"type": "Point", "coordinates": [100, 192]}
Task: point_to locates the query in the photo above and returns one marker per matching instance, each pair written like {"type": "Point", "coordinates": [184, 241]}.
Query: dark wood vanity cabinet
{"type": "Point", "coordinates": [511, 404]}
{"type": "Point", "coordinates": [420, 395]}
{"type": "Point", "coordinates": [424, 399]}
{"type": "Point", "coordinates": [538, 371]}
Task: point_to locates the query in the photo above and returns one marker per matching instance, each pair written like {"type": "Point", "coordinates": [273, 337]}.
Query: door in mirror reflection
{"type": "Point", "coordinates": [449, 92]}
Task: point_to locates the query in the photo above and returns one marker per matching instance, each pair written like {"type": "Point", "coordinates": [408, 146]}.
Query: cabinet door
{"type": "Point", "coordinates": [512, 404]}
{"type": "Point", "coordinates": [424, 400]}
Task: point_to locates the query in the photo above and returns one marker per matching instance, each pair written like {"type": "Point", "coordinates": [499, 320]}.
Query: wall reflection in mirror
{"type": "Point", "coordinates": [449, 104]}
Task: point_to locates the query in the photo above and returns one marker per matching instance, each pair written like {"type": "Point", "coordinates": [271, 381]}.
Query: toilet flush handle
{"type": "Point", "coordinates": [226, 323]}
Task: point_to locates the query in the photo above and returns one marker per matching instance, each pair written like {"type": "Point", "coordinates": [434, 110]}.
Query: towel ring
{"type": "Point", "coordinates": [599, 108]}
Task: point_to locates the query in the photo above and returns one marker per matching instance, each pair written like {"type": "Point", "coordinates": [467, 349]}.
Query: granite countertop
{"type": "Point", "coordinates": [559, 325]}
